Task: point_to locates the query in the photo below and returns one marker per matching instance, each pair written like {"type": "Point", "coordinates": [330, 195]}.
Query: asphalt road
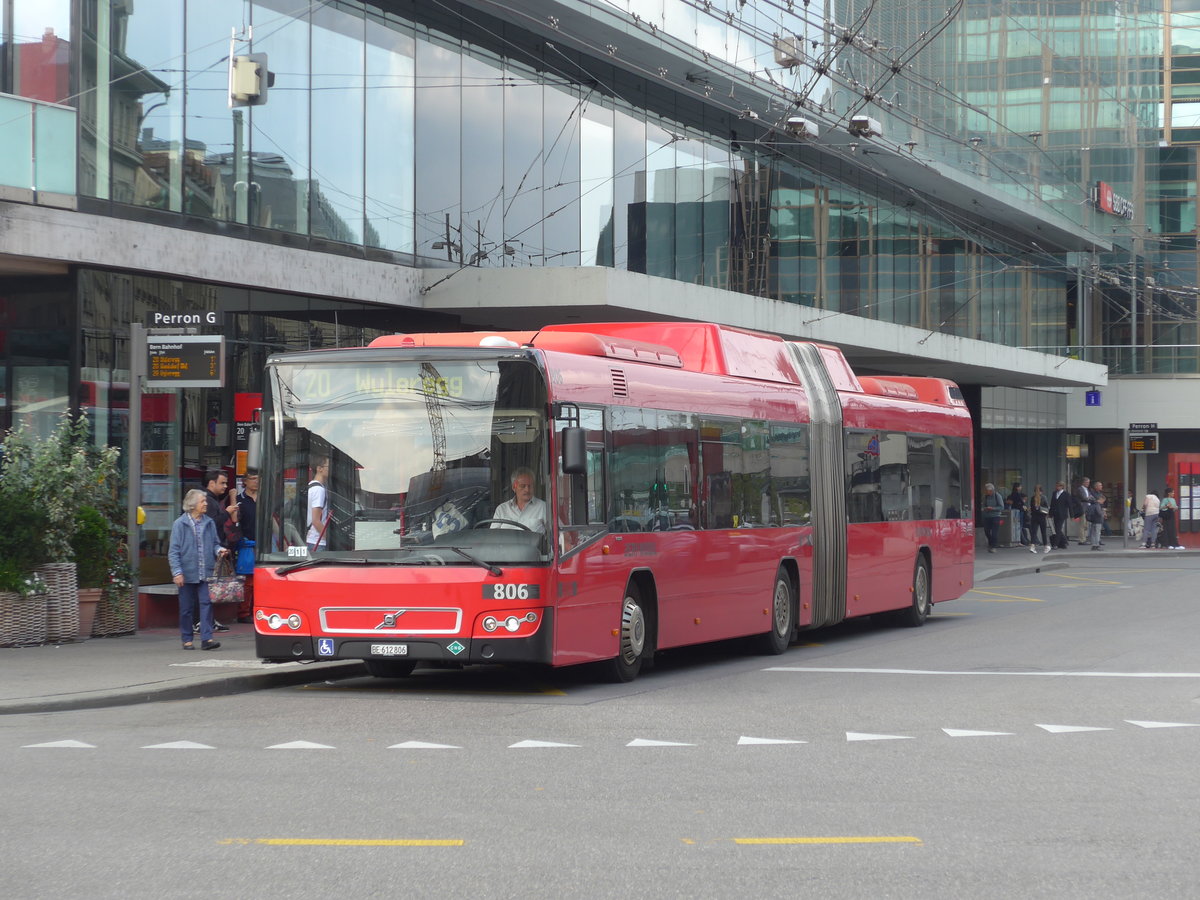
{"type": "Point", "coordinates": [1038, 738]}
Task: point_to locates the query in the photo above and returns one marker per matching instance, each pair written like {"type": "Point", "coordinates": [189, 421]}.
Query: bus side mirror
{"type": "Point", "coordinates": [574, 451]}
{"type": "Point", "coordinates": [254, 443]}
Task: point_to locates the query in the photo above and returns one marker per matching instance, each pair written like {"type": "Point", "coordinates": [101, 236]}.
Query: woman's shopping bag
{"type": "Point", "coordinates": [225, 585]}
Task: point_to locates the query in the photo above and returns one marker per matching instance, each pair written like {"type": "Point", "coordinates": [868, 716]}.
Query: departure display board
{"type": "Point", "coordinates": [185, 360]}
{"type": "Point", "coordinates": [1143, 443]}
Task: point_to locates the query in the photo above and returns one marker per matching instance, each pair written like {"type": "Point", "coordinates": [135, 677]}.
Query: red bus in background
{"type": "Point", "coordinates": [701, 483]}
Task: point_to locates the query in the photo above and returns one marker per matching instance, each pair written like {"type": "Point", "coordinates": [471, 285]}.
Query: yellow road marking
{"type": "Point", "coordinates": [1081, 578]}
{"type": "Point", "coordinates": [343, 842]}
{"type": "Point", "coordinates": [866, 839]}
{"type": "Point", "coordinates": [1003, 598]}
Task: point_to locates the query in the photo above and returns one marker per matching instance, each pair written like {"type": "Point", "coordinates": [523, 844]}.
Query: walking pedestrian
{"type": "Point", "coordinates": [993, 509]}
{"type": "Point", "coordinates": [1150, 505]}
{"type": "Point", "coordinates": [1060, 511]}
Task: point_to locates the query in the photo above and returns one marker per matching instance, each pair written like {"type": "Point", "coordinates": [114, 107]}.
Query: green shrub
{"type": "Point", "coordinates": [22, 540]}
{"type": "Point", "coordinates": [91, 547]}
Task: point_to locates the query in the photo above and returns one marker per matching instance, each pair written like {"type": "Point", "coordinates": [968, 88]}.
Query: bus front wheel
{"type": "Point", "coordinates": [783, 616]}
{"type": "Point", "coordinates": [918, 611]}
{"type": "Point", "coordinates": [632, 640]}
{"type": "Point", "coordinates": [389, 668]}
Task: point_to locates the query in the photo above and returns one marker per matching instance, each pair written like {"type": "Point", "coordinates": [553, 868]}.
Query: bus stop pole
{"type": "Point", "coordinates": [137, 371]}
{"type": "Point", "coordinates": [1128, 504]}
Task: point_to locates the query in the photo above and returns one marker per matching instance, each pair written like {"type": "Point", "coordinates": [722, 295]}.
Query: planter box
{"type": "Point", "coordinates": [62, 603]}
{"type": "Point", "coordinates": [22, 619]}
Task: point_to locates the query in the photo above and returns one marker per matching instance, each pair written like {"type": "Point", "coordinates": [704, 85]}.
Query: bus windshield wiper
{"type": "Point", "coordinates": [470, 557]}
{"type": "Point", "coordinates": [324, 561]}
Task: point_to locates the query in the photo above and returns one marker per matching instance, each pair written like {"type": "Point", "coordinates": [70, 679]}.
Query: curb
{"type": "Point", "coordinates": [219, 686]}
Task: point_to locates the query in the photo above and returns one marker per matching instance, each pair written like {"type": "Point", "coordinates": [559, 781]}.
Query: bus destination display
{"type": "Point", "coordinates": [193, 360]}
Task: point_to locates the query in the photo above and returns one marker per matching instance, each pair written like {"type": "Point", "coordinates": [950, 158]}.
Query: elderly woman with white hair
{"type": "Point", "coordinates": [193, 550]}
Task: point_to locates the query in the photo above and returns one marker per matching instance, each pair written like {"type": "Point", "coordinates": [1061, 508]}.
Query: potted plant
{"type": "Point", "coordinates": [60, 474]}
{"type": "Point", "coordinates": [22, 590]}
{"type": "Point", "coordinates": [90, 549]}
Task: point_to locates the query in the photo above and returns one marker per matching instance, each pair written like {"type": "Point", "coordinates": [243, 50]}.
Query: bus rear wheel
{"type": "Point", "coordinates": [388, 668]}
{"type": "Point", "coordinates": [922, 603]}
{"type": "Point", "coordinates": [783, 617]}
{"type": "Point", "coordinates": [632, 642]}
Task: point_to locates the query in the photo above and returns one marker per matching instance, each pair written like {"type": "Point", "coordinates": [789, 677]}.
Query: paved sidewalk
{"type": "Point", "coordinates": [150, 665]}
{"type": "Point", "coordinates": [144, 667]}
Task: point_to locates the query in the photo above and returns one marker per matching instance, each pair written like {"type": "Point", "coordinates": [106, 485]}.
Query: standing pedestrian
{"type": "Point", "coordinates": [1016, 502]}
{"type": "Point", "coordinates": [1038, 510]}
{"type": "Point", "coordinates": [247, 502]}
{"type": "Point", "coordinates": [1083, 496]}
{"type": "Point", "coordinates": [223, 514]}
{"type": "Point", "coordinates": [993, 509]}
{"type": "Point", "coordinates": [318, 512]}
{"type": "Point", "coordinates": [1168, 511]}
{"type": "Point", "coordinates": [1150, 506]}
{"type": "Point", "coordinates": [1060, 511]}
{"type": "Point", "coordinates": [1096, 514]}
{"type": "Point", "coordinates": [191, 553]}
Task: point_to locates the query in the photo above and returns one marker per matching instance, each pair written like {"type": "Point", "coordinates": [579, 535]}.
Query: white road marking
{"type": "Point", "coordinates": [1163, 724]}
{"type": "Point", "coordinates": [962, 732]}
{"type": "Point", "coordinates": [70, 745]}
{"type": "Point", "coordinates": [301, 745]}
{"type": "Point", "coordinates": [743, 741]}
{"type": "Point", "coordinates": [179, 745]}
{"type": "Point", "coordinates": [522, 745]}
{"type": "Point", "coordinates": [859, 736]}
{"type": "Point", "coordinates": [939, 672]}
{"type": "Point", "coordinates": [641, 742]}
{"type": "Point", "coordinates": [422, 745]}
{"type": "Point", "coordinates": [1066, 729]}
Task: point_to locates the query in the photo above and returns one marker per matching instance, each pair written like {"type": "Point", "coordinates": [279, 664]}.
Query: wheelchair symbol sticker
{"type": "Point", "coordinates": [325, 647]}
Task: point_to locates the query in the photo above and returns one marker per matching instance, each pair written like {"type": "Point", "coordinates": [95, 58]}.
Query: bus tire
{"type": "Point", "coordinates": [783, 616]}
{"type": "Point", "coordinates": [922, 603]}
{"type": "Point", "coordinates": [389, 668]}
{"type": "Point", "coordinates": [633, 640]}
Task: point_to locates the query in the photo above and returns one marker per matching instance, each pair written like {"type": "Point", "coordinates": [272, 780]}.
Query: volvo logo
{"type": "Point", "coordinates": [389, 621]}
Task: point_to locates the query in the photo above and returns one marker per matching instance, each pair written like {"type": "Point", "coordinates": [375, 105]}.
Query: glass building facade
{"type": "Point", "coordinates": [656, 136]}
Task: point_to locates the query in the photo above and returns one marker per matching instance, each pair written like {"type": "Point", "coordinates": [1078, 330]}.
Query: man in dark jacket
{"type": "Point", "coordinates": [1060, 511]}
{"type": "Point", "coordinates": [216, 487]}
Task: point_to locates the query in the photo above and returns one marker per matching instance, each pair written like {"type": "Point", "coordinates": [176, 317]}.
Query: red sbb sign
{"type": "Point", "coordinates": [1108, 201]}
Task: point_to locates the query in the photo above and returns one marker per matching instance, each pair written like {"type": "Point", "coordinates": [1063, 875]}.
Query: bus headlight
{"type": "Point", "coordinates": [511, 623]}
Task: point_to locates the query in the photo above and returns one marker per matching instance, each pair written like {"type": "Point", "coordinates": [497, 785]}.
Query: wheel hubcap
{"type": "Point", "coordinates": [921, 588]}
{"type": "Point", "coordinates": [783, 607]}
{"type": "Point", "coordinates": [633, 631]}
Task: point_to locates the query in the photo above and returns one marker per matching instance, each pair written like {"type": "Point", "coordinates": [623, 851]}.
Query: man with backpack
{"type": "Point", "coordinates": [317, 517]}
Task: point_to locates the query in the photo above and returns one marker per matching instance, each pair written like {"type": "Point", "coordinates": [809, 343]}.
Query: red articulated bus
{"type": "Point", "coordinates": [691, 483]}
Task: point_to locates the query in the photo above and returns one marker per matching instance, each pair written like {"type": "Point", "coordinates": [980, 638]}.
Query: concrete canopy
{"type": "Point", "coordinates": [526, 298]}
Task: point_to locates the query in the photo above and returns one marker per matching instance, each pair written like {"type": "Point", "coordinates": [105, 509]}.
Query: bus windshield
{"type": "Point", "coordinates": [404, 461]}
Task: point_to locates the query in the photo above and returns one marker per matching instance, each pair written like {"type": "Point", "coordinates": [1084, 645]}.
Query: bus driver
{"type": "Point", "coordinates": [523, 508]}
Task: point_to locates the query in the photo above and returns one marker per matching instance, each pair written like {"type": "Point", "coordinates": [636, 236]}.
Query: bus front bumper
{"type": "Point", "coordinates": [461, 650]}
